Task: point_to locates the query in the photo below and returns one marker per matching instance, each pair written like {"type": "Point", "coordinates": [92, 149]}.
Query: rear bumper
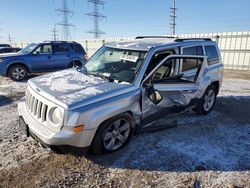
{"type": "Point", "coordinates": [66, 137]}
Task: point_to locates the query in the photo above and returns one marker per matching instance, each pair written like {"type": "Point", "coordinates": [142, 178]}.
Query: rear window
{"type": "Point", "coordinates": [77, 48]}
{"type": "Point", "coordinates": [190, 64]}
{"type": "Point", "coordinates": [212, 55]}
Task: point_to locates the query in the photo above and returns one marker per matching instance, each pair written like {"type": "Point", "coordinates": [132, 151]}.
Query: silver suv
{"type": "Point", "coordinates": [123, 88]}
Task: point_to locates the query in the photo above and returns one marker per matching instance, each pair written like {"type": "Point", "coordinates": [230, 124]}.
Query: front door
{"type": "Point", "coordinates": [166, 90]}
{"type": "Point", "coordinates": [41, 58]}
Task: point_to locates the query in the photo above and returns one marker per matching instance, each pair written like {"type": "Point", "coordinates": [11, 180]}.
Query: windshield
{"type": "Point", "coordinates": [116, 64]}
{"type": "Point", "coordinates": [28, 49]}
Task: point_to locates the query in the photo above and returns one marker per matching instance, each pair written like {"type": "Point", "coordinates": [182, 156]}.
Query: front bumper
{"type": "Point", "coordinates": [65, 137]}
{"type": "Point", "coordinates": [2, 70]}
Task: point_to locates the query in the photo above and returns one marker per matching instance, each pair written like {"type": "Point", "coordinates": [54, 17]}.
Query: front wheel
{"type": "Point", "coordinates": [207, 102]}
{"type": "Point", "coordinates": [18, 72]}
{"type": "Point", "coordinates": [112, 135]}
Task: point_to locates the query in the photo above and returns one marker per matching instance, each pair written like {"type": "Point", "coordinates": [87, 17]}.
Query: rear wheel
{"type": "Point", "coordinates": [75, 64]}
{"type": "Point", "coordinates": [112, 135]}
{"type": "Point", "coordinates": [18, 72]}
{"type": "Point", "coordinates": [208, 100]}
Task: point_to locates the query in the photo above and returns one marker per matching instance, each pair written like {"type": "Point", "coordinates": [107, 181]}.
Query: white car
{"type": "Point", "coordinates": [123, 88]}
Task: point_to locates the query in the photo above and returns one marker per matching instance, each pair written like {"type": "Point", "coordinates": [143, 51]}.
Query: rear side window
{"type": "Point", "coordinates": [77, 48]}
{"type": "Point", "coordinates": [212, 54]}
{"type": "Point", "coordinates": [60, 48]}
{"type": "Point", "coordinates": [190, 64]}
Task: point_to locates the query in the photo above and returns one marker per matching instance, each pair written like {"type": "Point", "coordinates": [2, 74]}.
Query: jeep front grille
{"type": "Point", "coordinates": [37, 108]}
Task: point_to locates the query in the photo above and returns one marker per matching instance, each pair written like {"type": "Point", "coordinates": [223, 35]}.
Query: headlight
{"type": "Point", "coordinates": [56, 116]}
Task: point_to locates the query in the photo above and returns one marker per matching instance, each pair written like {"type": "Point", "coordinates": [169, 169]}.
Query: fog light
{"type": "Point", "coordinates": [78, 129]}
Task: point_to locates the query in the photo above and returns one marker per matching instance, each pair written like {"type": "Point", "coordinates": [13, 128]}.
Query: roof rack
{"type": "Point", "coordinates": [153, 37]}
{"type": "Point", "coordinates": [185, 39]}
{"type": "Point", "coordinates": [57, 41]}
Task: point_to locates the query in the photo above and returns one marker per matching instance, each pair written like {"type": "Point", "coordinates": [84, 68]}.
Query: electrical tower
{"type": "Point", "coordinates": [10, 39]}
{"type": "Point", "coordinates": [173, 18]}
{"type": "Point", "coordinates": [66, 13]}
{"type": "Point", "coordinates": [97, 16]}
{"type": "Point", "coordinates": [54, 34]}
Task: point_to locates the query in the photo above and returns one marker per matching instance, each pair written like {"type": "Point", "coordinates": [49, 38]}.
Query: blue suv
{"type": "Point", "coordinates": [42, 57]}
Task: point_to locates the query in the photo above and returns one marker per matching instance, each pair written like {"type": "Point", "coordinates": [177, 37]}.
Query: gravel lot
{"type": "Point", "coordinates": [202, 151]}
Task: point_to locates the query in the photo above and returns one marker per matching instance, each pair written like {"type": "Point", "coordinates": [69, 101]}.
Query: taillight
{"type": "Point", "coordinates": [86, 56]}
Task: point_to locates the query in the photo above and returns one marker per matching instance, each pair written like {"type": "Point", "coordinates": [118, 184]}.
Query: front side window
{"type": "Point", "coordinates": [212, 55]}
{"type": "Point", "coordinates": [117, 64]}
{"type": "Point", "coordinates": [190, 64]}
{"type": "Point", "coordinates": [169, 72]}
{"type": "Point", "coordinates": [44, 49]}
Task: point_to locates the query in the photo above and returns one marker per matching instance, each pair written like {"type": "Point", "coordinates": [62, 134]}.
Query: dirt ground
{"type": "Point", "coordinates": [202, 151]}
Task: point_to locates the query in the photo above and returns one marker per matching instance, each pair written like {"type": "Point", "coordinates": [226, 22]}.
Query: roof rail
{"type": "Point", "coordinates": [184, 39]}
{"type": "Point", "coordinates": [153, 37]}
{"type": "Point", "coordinates": [57, 41]}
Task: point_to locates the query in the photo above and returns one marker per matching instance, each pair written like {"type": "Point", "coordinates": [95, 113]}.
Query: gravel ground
{"type": "Point", "coordinates": [202, 151]}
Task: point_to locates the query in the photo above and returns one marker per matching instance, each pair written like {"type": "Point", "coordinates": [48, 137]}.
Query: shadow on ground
{"type": "Point", "coordinates": [218, 141]}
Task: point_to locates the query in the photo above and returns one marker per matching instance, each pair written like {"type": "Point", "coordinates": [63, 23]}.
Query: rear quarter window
{"type": "Point", "coordinates": [212, 55]}
{"type": "Point", "coordinates": [77, 48]}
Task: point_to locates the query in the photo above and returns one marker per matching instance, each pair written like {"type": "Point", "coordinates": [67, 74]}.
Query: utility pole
{"type": "Point", "coordinates": [54, 34]}
{"type": "Point", "coordinates": [173, 18]}
{"type": "Point", "coordinates": [66, 13]}
{"type": "Point", "coordinates": [9, 39]}
{"type": "Point", "coordinates": [97, 16]}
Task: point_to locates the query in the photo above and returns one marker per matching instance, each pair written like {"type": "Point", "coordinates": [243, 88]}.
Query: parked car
{"type": "Point", "coordinates": [4, 45]}
{"type": "Point", "coordinates": [42, 57]}
{"type": "Point", "coordinates": [9, 50]}
{"type": "Point", "coordinates": [125, 87]}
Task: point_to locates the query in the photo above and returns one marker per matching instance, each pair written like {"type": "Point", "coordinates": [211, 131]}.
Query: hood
{"type": "Point", "coordinates": [72, 87]}
{"type": "Point", "coordinates": [10, 55]}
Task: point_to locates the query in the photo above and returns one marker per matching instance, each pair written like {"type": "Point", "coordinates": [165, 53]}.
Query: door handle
{"type": "Point", "coordinates": [68, 55]}
{"type": "Point", "coordinates": [49, 57]}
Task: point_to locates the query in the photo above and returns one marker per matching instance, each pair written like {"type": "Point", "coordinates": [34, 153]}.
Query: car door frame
{"type": "Point", "coordinates": [185, 89]}
{"type": "Point", "coordinates": [46, 65]}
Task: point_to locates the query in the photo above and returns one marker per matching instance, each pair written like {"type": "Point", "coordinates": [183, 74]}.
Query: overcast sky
{"type": "Point", "coordinates": [33, 20]}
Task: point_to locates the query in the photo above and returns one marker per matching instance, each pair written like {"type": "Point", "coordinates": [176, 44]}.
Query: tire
{"type": "Point", "coordinates": [207, 102]}
{"type": "Point", "coordinates": [74, 64]}
{"type": "Point", "coordinates": [112, 135]}
{"type": "Point", "coordinates": [17, 72]}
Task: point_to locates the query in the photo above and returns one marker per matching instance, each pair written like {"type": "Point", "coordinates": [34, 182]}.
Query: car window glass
{"type": "Point", "coordinates": [44, 49]}
{"type": "Point", "coordinates": [212, 55]}
{"type": "Point", "coordinates": [77, 47]}
{"type": "Point", "coordinates": [61, 48]}
{"type": "Point", "coordinates": [190, 64]}
{"type": "Point", "coordinates": [156, 59]}
{"type": "Point", "coordinates": [168, 71]}
{"type": "Point", "coordinates": [47, 49]}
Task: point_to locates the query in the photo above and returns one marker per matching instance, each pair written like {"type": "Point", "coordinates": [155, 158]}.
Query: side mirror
{"type": "Point", "coordinates": [153, 94]}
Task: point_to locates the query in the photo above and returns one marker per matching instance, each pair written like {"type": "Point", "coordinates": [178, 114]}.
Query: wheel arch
{"type": "Point", "coordinates": [77, 61]}
{"type": "Point", "coordinates": [216, 84]}
{"type": "Point", "coordinates": [17, 63]}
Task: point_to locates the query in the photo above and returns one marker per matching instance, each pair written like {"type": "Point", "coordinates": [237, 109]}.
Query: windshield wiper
{"type": "Point", "coordinates": [102, 76]}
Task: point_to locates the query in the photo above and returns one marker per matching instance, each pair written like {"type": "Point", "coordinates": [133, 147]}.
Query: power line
{"type": "Point", "coordinates": [66, 13]}
{"type": "Point", "coordinates": [173, 18]}
{"type": "Point", "coordinates": [54, 34]}
{"type": "Point", "coordinates": [97, 16]}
